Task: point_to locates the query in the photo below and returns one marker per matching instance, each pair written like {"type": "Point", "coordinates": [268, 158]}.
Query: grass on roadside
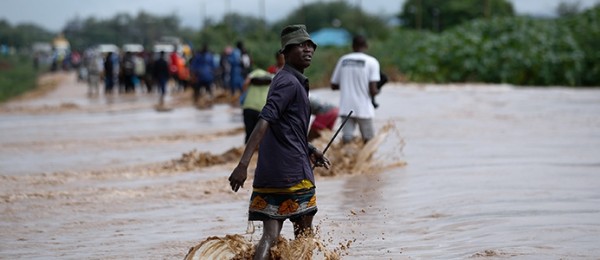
{"type": "Point", "coordinates": [17, 76]}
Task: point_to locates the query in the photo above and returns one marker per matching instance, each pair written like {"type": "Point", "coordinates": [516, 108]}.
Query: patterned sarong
{"type": "Point", "coordinates": [280, 206]}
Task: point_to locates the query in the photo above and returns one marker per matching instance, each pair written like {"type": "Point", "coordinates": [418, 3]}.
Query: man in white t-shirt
{"type": "Point", "coordinates": [356, 75]}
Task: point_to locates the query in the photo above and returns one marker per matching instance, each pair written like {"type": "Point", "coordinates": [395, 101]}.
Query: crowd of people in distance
{"type": "Point", "coordinates": [356, 74]}
{"type": "Point", "coordinates": [154, 71]}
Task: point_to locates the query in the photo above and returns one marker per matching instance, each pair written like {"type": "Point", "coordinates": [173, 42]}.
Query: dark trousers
{"type": "Point", "coordinates": [129, 84]}
{"type": "Point", "coordinates": [198, 86]}
{"type": "Point", "coordinates": [250, 121]}
{"type": "Point", "coordinates": [108, 83]}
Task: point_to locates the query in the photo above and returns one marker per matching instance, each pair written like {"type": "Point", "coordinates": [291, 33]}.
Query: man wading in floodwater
{"type": "Point", "coordinates": [284, 184]}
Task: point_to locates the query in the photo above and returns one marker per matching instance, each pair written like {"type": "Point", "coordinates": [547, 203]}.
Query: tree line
{"type": "Point", "coordinates": [428, 40]}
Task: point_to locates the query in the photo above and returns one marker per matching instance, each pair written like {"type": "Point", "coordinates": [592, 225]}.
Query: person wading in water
{"type": "Point", "coordinates": [284, 183]}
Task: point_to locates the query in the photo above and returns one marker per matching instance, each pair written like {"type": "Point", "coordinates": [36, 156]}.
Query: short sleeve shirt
{"type": "Point", "coordinates": [256, 96]}
{"type": "Point", "coordinates": [283, 152]}
{"type": "Point", "coordinates": [352, 73]}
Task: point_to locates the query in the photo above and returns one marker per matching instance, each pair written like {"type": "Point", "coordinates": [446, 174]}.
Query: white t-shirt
{"type": "Point", "coordinates": [352, 73]}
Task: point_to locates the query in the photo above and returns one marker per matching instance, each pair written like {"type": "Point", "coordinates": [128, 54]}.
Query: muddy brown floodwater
{"type": "Point", "coordinates": [457, 171]}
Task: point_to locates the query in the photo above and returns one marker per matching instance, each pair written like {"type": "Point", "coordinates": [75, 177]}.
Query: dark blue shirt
{"type": "Point", "coordinates": [202, 65]}
{"type": "Point", "coordinates": [283, 152]}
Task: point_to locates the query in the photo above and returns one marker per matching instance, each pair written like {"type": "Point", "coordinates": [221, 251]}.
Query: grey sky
{"type": "Point", "coordinates": [53, 14]}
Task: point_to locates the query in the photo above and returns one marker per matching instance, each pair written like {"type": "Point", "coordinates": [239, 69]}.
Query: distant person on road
{"type": "Point", "coordinates": [161, 75]}
{"type": "Point", "coordinates": [356, 76]}
{"type": "Point", "coordinates": [128, 72]}
{"type": "Point", "coordinates": [94, 68]}
{"type": "Point", "coordinates": [202, 68]}
{"type": "Point", "coordinates": [149, 79]}
{"type": "Point", "coordinates": [109, 73]}
{"type": "Point", "coordinates": [237, 61]}
{"type": "Point", "coordinates": [139, 70]}
{"type": "Point", "coordinates": [224, 71]}
{"type": "Point", "coordinates": [284, 183]}
{"type": "Point", "coordinates": [179, 71]}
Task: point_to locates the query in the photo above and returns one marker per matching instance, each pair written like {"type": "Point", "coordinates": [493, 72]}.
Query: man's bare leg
{"type": "Point", "coordinates": [303, 226]}
{"type": "Point", "coordinates": [271, 230]}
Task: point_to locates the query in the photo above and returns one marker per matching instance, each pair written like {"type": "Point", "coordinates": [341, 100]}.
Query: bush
{"type": "Point", "coordinates": [585, 28]}
{"type": "Point", "coordinates": [520, 51]}
{"type": "Point", "coordinates": [513, 50]}
{"type": "Point", "coordinates": [17, 76]}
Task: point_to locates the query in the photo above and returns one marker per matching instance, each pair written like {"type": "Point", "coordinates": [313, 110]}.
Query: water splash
{"type": "Point", "coordinates": [238, 247]}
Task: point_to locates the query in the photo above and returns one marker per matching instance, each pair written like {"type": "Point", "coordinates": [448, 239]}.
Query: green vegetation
{"type": "Point", "coordinates": [585, 29]}
{"type": "Point", "coordinates": [319, 15]}
{"type": "Point", "coordinates": [17, 76]}
{"type": "Point", "coordinates": [439, 15]}
{"type": "Point", "coordinates": [515, 50]}
{"type": "Point", "coordinates": [122, 28]}
{"type": "Point", "coordinates": [22, 35]}
{"type": "Point", "coordinates": [518, 51]}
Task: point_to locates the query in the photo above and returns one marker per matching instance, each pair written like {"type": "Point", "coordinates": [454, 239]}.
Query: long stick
{"type": "Point", "coordinates": [338, 131]}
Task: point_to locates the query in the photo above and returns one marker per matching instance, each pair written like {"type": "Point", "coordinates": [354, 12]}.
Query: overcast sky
{"type": "Point", "coordinates": [53, 14]}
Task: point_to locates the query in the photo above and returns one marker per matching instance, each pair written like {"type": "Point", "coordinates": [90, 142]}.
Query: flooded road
{"type": "Point", "coordinates": [487, 172]}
